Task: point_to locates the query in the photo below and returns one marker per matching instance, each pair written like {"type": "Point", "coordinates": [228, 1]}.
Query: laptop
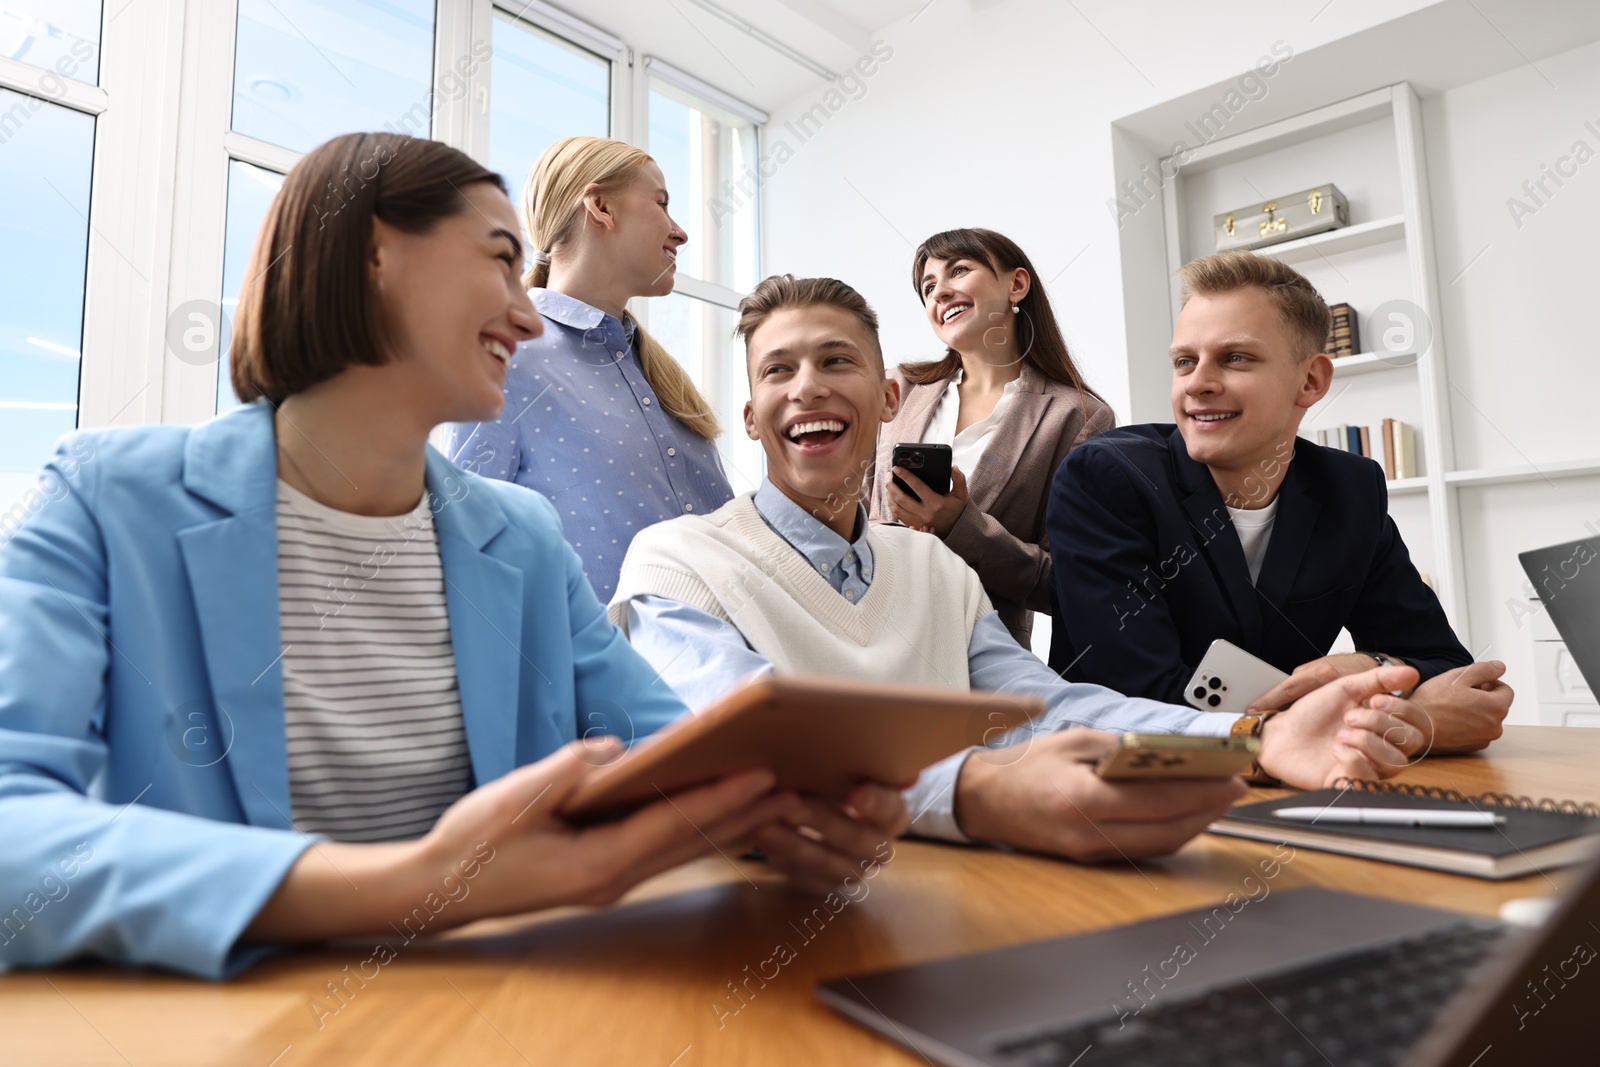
{"type": "Point", "coordinates": [1566, 579]}
{"type": "Point", "coordinates": [1289, 977]}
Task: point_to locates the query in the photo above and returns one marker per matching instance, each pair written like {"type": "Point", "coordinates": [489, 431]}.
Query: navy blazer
{"type": "Point", "coordinates": [1148, 569]}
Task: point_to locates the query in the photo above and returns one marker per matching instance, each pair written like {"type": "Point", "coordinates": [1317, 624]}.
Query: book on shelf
{"type": "Point", "coordinates": [1393, 446]}
{"type": "Point", "coordinates": [1344, 339]}
{"type": "Point", "coordinates": [1536, 833]}
{"type": "Point", "coordinates": [1405, 450]}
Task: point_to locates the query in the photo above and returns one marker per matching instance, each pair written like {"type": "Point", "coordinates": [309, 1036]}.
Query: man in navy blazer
{"type": "Point", "coordinates": [1226, 525]}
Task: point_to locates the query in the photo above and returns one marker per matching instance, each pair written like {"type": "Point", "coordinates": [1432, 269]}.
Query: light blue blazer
{"type": "Point", "coordinates": [144, 785]}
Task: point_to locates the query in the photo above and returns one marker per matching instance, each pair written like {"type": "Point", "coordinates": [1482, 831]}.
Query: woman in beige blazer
{"type": "Point", "coordinates": [1007, 398]}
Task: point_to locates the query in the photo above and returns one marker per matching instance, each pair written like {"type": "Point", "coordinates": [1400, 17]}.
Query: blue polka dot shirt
{"type": "Point", "coordinates": [582, 426]}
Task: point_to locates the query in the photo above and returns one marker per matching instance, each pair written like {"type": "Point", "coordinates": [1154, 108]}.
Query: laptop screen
{"type": "Point", "coordinates": [1566, 579]}
{"type": "Point", "coordinates": [1534, 1004]}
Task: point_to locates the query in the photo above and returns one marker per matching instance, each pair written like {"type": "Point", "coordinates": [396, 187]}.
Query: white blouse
{"type": "Point", "coordinates": [966, 447]}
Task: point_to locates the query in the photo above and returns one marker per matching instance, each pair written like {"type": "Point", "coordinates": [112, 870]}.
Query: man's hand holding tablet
{"type": "Point", "coordinates": [842, 751]}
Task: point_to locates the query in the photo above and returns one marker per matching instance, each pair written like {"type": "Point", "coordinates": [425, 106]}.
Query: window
{"type": "Point", "coordinates": [254, 85]}
{"type": "Point", "coordinates": [706, 144]}
{"type": "Point", "coordinates": [61, 35]}
{"type": "Point", "coordinates": [541, 89]}
{"type": "Point", "coordinates": [708, 154]}
{"type": "Point", "coordinates": [306, 71]}
{"type": "Point", "coordinates": [303, 72]}
{"type": "Point", "coordinates": [699, 335]}
{"type": "Point", "coordinates": [46, 154]}
{"type": "Point", "coordinates": [250, 192]}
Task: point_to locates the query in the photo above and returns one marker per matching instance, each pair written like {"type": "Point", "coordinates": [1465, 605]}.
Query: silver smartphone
{"type": "Point", "coordinates": [1229, 679]}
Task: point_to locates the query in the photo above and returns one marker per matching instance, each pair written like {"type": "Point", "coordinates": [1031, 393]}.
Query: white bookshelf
{"type": "Point", "coordinates": [1347, 239]}
{"type": "Point", "coordinates": [1371, 147]}
{"type": "Point", "coordinates": [1508, 356]}
{"type": "Point", "coordinates": [1523, 473]}
{"type": "Point", "coordinates": [1370, 362]}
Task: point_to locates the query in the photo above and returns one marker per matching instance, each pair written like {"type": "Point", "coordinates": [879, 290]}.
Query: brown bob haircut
{"type": "Point", "coordinates": [307, 309]}
{"type": "Point", "coordinates": [1044, 347]}
{"type": "Point", "coordinates": [782, 291]}
{"type": "Point", "coordinates": [1301, 309]}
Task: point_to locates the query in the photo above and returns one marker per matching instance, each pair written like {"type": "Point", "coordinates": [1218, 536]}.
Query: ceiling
{"type": "Point", "coordinates": [832, 33]}
{"type": "Point", "coordinates": [1435, 49]}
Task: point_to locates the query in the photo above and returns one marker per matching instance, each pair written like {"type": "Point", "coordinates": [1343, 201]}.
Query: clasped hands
{"type": "Point", "coordinates": [1043, 795]}
{"type": "Point", "coordinates": [1460, 710]}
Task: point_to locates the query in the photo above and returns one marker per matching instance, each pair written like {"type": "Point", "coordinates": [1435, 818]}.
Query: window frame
{"type": "Point", "coordinates": [28, 81]}
{"type": "Point", "coordinates": [655, 67]}
{"type": "Point", "coordinates": [574, 31]}
{"type": "Point", "coordinates": [163, 145]}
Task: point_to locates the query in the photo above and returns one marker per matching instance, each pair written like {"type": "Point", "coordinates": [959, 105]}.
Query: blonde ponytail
{"type": "Point", "coordinates": [675, 389]}
{"type": "Point", "coordinates": [552, 203]}
{"type": "Point", "coordinates": [537, 276]}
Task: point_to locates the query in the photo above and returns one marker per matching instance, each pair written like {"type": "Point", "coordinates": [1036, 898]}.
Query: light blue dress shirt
{"type": "Point", "coordinates": [702, 657]}
{"type": "Point", "coordinates": [582, 426]}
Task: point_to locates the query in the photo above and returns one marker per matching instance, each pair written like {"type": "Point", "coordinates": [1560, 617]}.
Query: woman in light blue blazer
{"type": "Point", "coordinates": [148, 788]}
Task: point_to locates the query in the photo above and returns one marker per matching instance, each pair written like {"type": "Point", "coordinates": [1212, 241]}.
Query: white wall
{"type": "Point", "coordinates": [998, 114]}
{"type": "Point", "coordinates": [1519, 308]}
{"type": "Point", "coordinates": [1519, 319]}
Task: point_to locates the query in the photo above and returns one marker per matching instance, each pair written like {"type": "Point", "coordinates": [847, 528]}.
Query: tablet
{"type": "Point", "coordinates": [819, 736]}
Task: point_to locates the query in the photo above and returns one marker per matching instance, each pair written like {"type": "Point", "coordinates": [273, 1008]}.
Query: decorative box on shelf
{"type": "Point", "coordinates": [1301, 214]}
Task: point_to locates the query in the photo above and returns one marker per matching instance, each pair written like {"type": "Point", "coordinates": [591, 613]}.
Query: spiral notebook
{"type": "Point", "coordinates": [1536, 835]}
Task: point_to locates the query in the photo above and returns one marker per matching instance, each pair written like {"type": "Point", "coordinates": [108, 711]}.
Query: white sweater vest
{"type": "Point", "coordinates": [913, 626]}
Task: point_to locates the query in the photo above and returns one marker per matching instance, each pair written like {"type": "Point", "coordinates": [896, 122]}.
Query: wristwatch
{"type": "Point", "coordinates": [1250, 725]}
{"type": "Point", "coordinates": [1383, 659]}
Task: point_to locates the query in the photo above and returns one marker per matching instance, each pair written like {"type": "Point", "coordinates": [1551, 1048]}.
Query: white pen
{"type": "Point", "coordinates": [1392, 816]}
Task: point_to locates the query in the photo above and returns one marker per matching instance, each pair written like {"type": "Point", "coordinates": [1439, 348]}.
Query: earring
{"type": "Point", "coordinates": [1016, 309]}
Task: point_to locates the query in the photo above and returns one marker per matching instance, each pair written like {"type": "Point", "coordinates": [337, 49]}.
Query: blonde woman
{"type": "Point", "coordinates": [211, 732]}
{"type": "Point", "coordinates": [598, 417]}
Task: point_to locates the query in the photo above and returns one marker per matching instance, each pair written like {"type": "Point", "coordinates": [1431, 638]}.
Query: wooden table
{"type": "Point", "coordinates": [648, 982]}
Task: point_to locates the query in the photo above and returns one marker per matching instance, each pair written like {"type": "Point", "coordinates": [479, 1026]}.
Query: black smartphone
{"type": "Point", "coordinates": [931, 463]}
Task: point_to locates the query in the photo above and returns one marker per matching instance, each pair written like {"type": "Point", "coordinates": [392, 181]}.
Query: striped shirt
{"type": "Point", "coordinates": [377, 748]}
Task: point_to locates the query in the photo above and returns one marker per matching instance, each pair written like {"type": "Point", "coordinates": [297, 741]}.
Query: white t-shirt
{"type": "Point", "coordinates": [1255, 530]}
{"type": "Point", "coordinates": [966, 447]}
{"type": "Point", "coordinates": [371, 711]}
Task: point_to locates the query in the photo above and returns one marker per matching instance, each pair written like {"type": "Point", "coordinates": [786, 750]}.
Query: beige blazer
{"type": "Point", "coordinates": [1001, 532]}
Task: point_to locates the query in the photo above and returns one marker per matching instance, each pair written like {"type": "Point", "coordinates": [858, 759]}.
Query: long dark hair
{"type": "Point", "coordinates": [1046, 349]}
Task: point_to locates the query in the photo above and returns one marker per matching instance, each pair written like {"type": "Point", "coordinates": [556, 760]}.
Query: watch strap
{"type": "Point", "coordinates": [1250, 726]}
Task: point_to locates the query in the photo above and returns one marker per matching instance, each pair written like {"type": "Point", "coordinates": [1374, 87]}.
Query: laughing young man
{"type": "Point", "coordinates": [792, 578]}
{"type": "Point", "coordinates": [1166, 537]}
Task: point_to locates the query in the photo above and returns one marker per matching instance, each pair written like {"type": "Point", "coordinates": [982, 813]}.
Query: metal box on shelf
{"type": "Point", "coordinates": [1287, 218]}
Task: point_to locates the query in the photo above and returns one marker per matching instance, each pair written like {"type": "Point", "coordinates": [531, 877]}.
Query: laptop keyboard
{"type": "Point", "coordinates": [1362, 1010]}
